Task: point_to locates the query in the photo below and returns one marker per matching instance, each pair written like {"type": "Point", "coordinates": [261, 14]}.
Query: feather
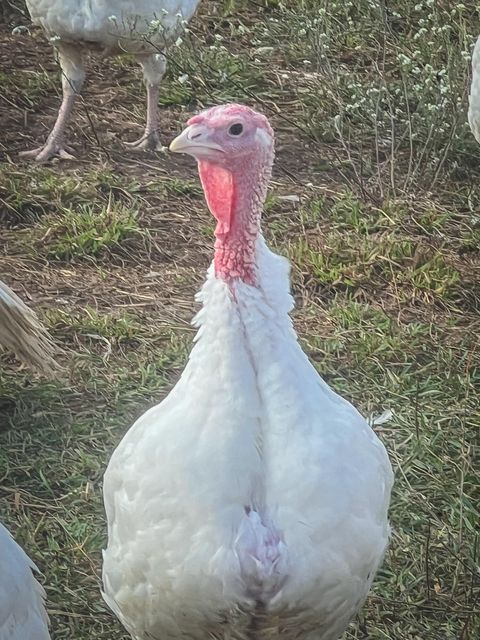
{"type": "Point", "coordinates": [22, 599]}
{"type": "Point", "coordinates": [474, 97]}
{"type": "Point", "coordinates": [22, 333]}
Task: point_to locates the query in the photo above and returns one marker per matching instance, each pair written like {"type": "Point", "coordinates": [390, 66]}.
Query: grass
{"type": "Point", "coordinates": [86, 230]}
{"type": "Point", "coordinates": [375, 201]}
{"type": "Point", "coordinates": [26, 88]}
{"type": "Point", "coordinates": [382, 260]}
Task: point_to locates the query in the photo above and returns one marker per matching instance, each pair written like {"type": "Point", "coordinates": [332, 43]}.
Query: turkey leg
{"type": "Point", "coordinates": [153, 66]}
{"type": "Point", "coordinates": [73, 76]}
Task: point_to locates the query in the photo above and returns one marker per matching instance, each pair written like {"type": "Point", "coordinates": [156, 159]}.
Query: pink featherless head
{"type": "Point", "coordinates": [230, 135]}
{"type": "Point", "coordinates": [234, 148]}
{"type": "Point", "coordinates": [223, 115]}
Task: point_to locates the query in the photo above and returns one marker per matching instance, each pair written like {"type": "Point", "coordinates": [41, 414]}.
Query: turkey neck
{"type": "Point", "coordinates": [235, 243]}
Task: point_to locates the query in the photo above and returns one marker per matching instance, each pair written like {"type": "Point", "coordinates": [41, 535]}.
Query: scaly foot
{"type": "Point", "coordinates": [148, 142]}
{"type": "Point", "coordinates": [51, 149]}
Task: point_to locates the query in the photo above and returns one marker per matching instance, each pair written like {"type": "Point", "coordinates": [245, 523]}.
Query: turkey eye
{"type": "Point", "coordinates": [236, 129]}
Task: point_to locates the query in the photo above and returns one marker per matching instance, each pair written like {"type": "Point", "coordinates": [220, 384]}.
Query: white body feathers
{"type": "Point", "coordinates": [117, 26]}
{"type": "Point", "coordinates": [253, 492]}
{"type": "Point", "coordinates": [474, 98]}
{"type": "Point", "coordinates": [22, 608]}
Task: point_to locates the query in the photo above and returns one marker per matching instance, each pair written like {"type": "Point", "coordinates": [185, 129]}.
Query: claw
{"type": "Point", "coordinates": [66, 155]}
{"type": "Point", "coordinates": [148, 142]}
{"type": "Point", "coordinates": [51, 149]}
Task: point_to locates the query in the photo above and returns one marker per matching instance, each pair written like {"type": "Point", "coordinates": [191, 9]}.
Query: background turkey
{"type": "Point", "coordinates": [474, 97]}
{"type": "Point", "coordinates": [143, 28]}
{"type": "Point", "coordinates": [22, 599]}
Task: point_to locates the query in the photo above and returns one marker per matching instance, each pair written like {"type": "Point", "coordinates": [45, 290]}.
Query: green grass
{"type": "Point", "coordinates": [370, 247]}
{"type": "Point", "coordinates": [26, 87]}
{"type": "Point", "coordinates": [86, 231]}
{"type": "Point", "coordinates": [375, 200]}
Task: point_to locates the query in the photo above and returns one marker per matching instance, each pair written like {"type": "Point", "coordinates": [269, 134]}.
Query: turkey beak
{"type": "Point", "coordinates": [194, 141]}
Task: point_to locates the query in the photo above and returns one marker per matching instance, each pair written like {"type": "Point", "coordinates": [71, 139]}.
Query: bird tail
{"type": "Point", "coordinates": [22, 333]}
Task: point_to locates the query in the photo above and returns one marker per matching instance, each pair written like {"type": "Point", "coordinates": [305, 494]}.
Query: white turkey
{"type": "Point", "coordinates": [22, 332]}
{"type": "Point", "coordinates": [474, 98]}
{"type": "Point", "coordinates": [142, 28]}
{"type": "Point", "coordinates": [252, 502]}
{"type": "Point", "coordinates": [22, 599]}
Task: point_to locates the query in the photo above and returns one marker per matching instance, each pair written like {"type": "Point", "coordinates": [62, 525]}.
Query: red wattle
{"type": "Point", "coordinates": [219, 193]}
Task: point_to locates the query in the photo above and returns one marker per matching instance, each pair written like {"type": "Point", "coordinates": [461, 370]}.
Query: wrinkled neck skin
{"type": "Point", "coordinates": [238, 228]}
